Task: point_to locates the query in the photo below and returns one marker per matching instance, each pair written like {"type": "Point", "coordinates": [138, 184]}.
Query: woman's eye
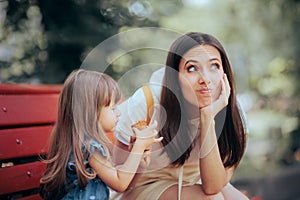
{"type": "Point", "coordinates": [191, 68]}
{"type": "Point", "coordinates": [215, 66]}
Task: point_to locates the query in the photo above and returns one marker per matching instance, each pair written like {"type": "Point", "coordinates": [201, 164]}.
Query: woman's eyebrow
{"type": "Point", "coordinates": [195, 61]}
{"type": "Point", "coordinates": [188, 61]}
{"type": "Point", "coordinates": [213, 59]}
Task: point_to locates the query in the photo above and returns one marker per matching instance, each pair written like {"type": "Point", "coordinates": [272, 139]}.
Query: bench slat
{"type": "Point", "coordinates": [31, 197]}
{"type": "Point", "coordinates": [22, 142]}
{"type": "Point", "coordinates": [18, 110]}
{"type": "Point", "coordinates": [21, 177]}
{"type": "Point", "coordinates": [23, 88]}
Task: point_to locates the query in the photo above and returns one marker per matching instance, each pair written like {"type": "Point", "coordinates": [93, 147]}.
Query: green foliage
{"type": "Point", "coordinates": [43, 40]}
{"type": "Point", "coordinates": [47, 39]}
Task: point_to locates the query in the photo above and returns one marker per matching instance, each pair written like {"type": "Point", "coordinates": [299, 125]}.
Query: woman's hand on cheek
{"type": "Point", "coordinates": [225, 93]}
{"type": "Point", "coordinates": [210, 111]}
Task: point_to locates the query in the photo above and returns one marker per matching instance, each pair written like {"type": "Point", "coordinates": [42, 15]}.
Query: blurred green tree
{"type": "Point", "coordinates": [46, 39]}
{"type": "Point", "coordinates": [43, 40]}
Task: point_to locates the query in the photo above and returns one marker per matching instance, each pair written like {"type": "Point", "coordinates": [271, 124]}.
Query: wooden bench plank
{"type": "Point", "coordinates": [22, 142]}
{"type": "Point", "coordinates": [19, 110]}
{"type": "Point", "coordinates": [21, 177]}
{"type": "Point", "coordinates": [32, 197]}
{"type": "Point", "coordinates": [19, 88]}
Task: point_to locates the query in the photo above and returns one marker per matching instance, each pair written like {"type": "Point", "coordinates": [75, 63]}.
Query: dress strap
{"type": "Point", "coordinates": [180, 181]}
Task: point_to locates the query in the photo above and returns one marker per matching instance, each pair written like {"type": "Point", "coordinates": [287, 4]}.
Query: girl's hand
{"type": "Point", "coordinates": [147, 136]}
{"type": "Point", "coordinates": [215, 107]}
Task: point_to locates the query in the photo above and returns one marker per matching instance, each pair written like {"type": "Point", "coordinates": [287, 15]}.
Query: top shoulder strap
{"type": "Point", "coordinates": [149, 101]}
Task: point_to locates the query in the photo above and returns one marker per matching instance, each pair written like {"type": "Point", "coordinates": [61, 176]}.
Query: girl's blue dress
{"type": "Point", "coordinates": [95, 189]}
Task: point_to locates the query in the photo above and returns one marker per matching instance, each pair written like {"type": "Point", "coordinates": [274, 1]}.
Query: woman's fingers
{"type": "Point", "coordinates": [226, 86]}
{"type": "Point", "coordinates": [225, 93]}
{"type": "Point", "coordinates": [224, 96]}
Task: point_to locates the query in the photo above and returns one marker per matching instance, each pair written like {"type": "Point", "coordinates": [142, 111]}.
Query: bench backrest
{"type": "Point", "coordinates": [27, 115]}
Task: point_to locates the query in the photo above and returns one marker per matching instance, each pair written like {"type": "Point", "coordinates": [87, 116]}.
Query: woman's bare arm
{"type": "Point", "coordinates": [212, 170]}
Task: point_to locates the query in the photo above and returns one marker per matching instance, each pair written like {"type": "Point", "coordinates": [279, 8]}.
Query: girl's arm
{"type": "Point", "coordinates": [119, 178]}
{"type": "Point", "coordinates": [121, 152]}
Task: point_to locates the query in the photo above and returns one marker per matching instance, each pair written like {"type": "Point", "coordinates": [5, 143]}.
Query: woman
{"type": "Point", "coordinates": [200, 121]}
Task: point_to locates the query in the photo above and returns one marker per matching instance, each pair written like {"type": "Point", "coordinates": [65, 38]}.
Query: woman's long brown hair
{"type": "Point", "coordinates": [83, 95]}
{"type": "Point", "coordinates": [232, 139]}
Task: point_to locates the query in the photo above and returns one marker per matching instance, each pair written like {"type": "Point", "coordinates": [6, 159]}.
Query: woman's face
{"type": "Point", "coordinates": [109, 116]}
{"type": "Point", "coordinates": [200, 72]}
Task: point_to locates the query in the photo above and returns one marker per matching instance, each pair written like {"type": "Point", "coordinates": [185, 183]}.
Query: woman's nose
{"type": "Point", "coordinates": [203, 77]}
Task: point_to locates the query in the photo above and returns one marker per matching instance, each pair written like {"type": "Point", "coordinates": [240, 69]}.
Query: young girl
{"type": "Point", "coordinates": [79, 164]}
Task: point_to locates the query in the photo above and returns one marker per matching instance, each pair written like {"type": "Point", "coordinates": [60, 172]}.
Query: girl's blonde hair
{"type": "Point", "coordinates": [83, 95]}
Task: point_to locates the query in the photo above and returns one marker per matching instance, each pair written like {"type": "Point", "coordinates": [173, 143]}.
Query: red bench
{"type": "Point", "coordinates": [27, 115]}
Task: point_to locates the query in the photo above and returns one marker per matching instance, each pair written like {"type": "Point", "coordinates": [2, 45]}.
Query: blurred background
{"type": "Point", "coordinates": [42, 41]}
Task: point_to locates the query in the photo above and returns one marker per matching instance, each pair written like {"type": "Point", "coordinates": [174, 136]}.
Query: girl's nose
{"type": "Point", "coordinates": [117, 112]}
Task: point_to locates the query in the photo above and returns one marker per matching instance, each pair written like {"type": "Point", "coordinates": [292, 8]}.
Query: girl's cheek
{"type": "Point", "coordinates": [117, 114]}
